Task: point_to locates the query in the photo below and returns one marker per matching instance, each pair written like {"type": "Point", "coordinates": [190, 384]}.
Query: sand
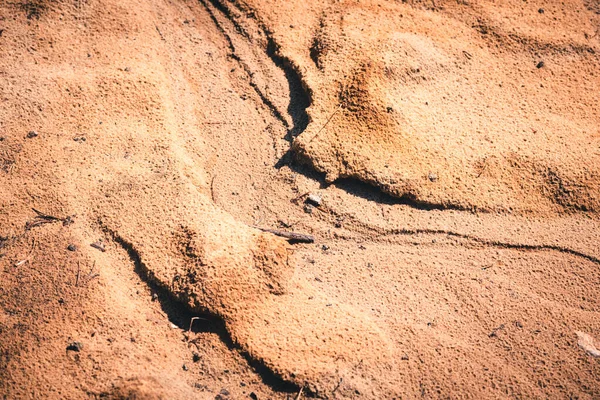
{"type": "Point", "coordinates": [455, 147]}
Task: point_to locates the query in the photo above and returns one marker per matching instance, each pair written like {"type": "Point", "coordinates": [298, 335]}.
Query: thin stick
{"type": "Point", "coordinates": [291, 236]}
{"type": "Point", "coordinates": [295, 199]}
{"type": "Point", "coordinates": [300, 393]}
{"type": "Point", "coordinates": [329, 119]}
{"type": "Point", "coordinates": [192, 321]}
{"type": "Point", "coordinates": [212, 189]}
{"type": "Point", "coordinates": [78, 272]}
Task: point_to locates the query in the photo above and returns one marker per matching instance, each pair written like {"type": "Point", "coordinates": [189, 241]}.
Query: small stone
{"type": "Point", "coordinates": [314, 199]}
{"type": "Point", "coordinates": [154, 297]}
{"type": "Point", "coordinates": [98, 245]}
{"type": "Point", "coordinates": [184, 367]}
{"type": "Point", "coordinates": [540, 64]}
{"type": "Point", "coordinates": [2, 138]}
{"type": "Point", "coordinates": [253, 396]}
{"type": "Point", "coordinates": [324, 247]}
{"type": "Point", "coordinates": [72, 247]}
{"type": "Point", "coordinates": [432, 177]}
{"type": "Point", "coordinates": [195, 357]}
{"type": "Point", "coordinates": [541, 10]}
{"type": "Point", "coordinates": [308, 208]}
{"type": "Point", "coordinates": [32, 134]}
{"type": "Point", "coordinates": [588, 343]}
{"type": "Point", "coordinates": [75, 346]}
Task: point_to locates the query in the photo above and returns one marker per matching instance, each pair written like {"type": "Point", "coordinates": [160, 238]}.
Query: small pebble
{"type": "Point", "coordinates": [253, 396]}
{"type": "Point", "coordinates": [75, 346]}
{"type": "Point", "coordinates": [32, 134]}
{"type": "Point", "coordinates": [540, 64]}
{"type": "Point", "coordinates": [432, 177]}
{"type": "Point", "coordinates": [308, 208]}
{"type": "Point", "coordinates": [72, 247]}
{"type": "Point", "coordinates": [184, 367]}
{"type": "Point", "coordinates": [195, 357]}
{"type": "Point", "coordinates": [314, 199]}
{"type": "Point", "coordinates": [541, 10]}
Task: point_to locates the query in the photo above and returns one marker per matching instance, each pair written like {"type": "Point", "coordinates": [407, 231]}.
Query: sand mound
{"type": "Point", "coordinates": [469, 106]}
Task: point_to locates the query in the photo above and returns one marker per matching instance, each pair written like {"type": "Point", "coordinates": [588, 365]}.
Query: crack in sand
{"type": "Point", "coordinates": [249, 73]}
{"type": "Point", "coordinates": [362, 228]}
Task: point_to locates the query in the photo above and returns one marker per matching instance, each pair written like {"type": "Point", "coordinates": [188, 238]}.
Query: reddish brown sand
{"type": "Point", "coordinates": [455, 146]}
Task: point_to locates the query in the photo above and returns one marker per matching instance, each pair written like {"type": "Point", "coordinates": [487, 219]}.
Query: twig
{"type": "Point", "coordinates": [78, 272]}
{"type": "Point", "coordinates": [483, 168]}
{"type": "Point", "coordinates": [212, 189]}
{"type": "Point", "coordinates": [295, 199]}
{"type": "Point", "coordinates": [327, 122]}
{"type": "Point", "coordinates": [159, 32]}
{"type": "Point", "coordinates": [46, 216]}
{"type": "Point", "coordinates": [42, 218]}
{"type": "Point", "coordinates": [91, 275]}
{"type": "Point", "coordinates": [26, 259]}
{"type": "Point", "coordinates": [291, 236]}
{"type": "Point", "coordinates": [337, 386]}
{"type": "Point", "coordinates": [300, 393]}
{"type": "Point", "coordinates": [192, 321]}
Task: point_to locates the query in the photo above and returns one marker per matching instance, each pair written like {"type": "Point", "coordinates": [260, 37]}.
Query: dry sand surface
{"type": "Point", "coordinates": [149, 150]}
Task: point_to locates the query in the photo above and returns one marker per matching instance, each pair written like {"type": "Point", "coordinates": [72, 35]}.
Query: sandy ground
{"type": "Point", "coordinates": [455, 147]}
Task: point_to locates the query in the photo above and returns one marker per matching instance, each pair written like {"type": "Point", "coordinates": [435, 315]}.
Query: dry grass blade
{"type": "Point", "coordinates": [43, 218]}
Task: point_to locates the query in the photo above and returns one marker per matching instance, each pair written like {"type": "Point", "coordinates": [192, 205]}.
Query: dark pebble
{"type": "Point", "coordinates": [253, 396]}
{"type": "Point", "coordinates": [72, 247]}
{"type": "Point", "coordinates": [541, 10]}
{"type": "Point", "coordinates": [32, 134]}
{"type": "Point", "coordinates": [75, 346]}
{"type": "Point", "coordinates": [540, 64]}
{"type": "Point", "coordinates": [196, 357]}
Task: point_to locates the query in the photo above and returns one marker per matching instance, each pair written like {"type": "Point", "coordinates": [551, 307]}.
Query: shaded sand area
{"type": "Point", "coordinates": [454, 148]}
